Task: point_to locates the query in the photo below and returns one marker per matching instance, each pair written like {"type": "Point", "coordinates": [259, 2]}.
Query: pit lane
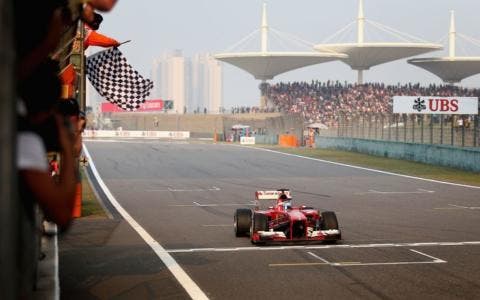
{"type": "Point", "coordinates": [184, 196]}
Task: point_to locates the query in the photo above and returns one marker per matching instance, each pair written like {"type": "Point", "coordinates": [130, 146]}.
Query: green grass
{"type": "Point", "coordinates": [90, 205]}
{"type": "Point", "coordinates": [387, 164]}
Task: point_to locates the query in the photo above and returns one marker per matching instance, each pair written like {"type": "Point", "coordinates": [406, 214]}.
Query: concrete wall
{"type": "Point", "coordinates": [266, 139]}
{"type": "Point", "coordinates": [205, 125]}
{"type": "Point", "coordinates": [448, 156]}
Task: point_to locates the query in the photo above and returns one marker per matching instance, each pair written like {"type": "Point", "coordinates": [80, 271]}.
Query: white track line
{"type": "Point", "coordinates": [319, 258]}
{"type": "Point", "coordinates": [196, 204]}
{"type": "Point", "coordinates": [435, 259]}
{"type": "Point", "coordinates": [386, 263]}
{"type": "Point", "coordinates": [346, 246]}
{"type": "Point", "coordinates": [185, 281]}
{"type": "Point", "coordinates": [362, 168]}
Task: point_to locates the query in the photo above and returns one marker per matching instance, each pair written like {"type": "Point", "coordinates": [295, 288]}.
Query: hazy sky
{"type": "Point", "coordinates": [198, 26]}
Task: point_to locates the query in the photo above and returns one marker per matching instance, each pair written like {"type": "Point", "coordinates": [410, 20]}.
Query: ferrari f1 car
{"type": "Point", "coordinates": [284, 222]}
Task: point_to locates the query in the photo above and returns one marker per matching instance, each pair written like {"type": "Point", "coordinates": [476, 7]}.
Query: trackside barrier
{"type": "Point", "coordinates": [181, 135]}
{"type": "Point", "coordinates": [77, 207]}
{"type": "Point", "coordinates": [288, 140]}
{"type": "Point", "coordinates": [442, 155]}
{"type": "Point", "coordinates": [247, 140]}
{"type": "Point", "coordinates": [266, 139]}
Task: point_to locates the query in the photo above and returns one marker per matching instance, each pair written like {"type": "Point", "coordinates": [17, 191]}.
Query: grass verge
{"type": "Point", "coordinates": [386, 164]}
{"type": "Point", "coordinates": [90, 205]}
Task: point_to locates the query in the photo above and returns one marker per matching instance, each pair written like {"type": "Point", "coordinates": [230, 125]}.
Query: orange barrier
{"type": "Point", "coordinates": [77, 206]}
{"type": "Point", "coordinates": [288, 140]}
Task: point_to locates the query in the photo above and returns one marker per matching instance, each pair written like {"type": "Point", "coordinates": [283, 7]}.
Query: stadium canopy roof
{"type": "Point", "coordinates": [364, 55]}
{"type": "Point", "coordinates": [265, 65]}
{"type": "Point", "coordinates": [451, 69]}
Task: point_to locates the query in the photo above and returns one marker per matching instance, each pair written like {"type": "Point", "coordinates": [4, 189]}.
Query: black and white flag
{"type": "Point", "coordinates": [116, 80]}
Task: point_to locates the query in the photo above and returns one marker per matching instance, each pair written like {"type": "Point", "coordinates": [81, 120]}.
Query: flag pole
{"type": "Point", "coordinates": [82, 91]}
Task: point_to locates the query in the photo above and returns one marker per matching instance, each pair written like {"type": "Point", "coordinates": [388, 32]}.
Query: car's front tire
{"type": "Point", "coordinates": [242, 221]}
{"type": "Point", "coordinates": [329, 220]}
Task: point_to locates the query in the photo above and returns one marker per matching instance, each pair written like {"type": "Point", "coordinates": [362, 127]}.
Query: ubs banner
{"type": "Point", "coordinates": [435, 105]}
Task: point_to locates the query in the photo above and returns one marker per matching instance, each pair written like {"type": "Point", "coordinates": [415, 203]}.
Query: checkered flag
{"type": "Point", "coordinates": [115, 79]}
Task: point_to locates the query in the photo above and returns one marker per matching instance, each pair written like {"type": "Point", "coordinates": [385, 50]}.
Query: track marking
{"type": "Point", "coordinates": [297, 264]}
{"type": "Point", "coordinates": [361, 168]}
{"type": "Point", "coordinates": [196, 204]}
{"type": "Point", "coordinates": [308, 247]}
{"type": "Point", "coordinates": [418, 191]}
{"type": "Point", "coordinates": [435, 259]}
{"type": "Point", "coordinates": [185, 281]}
{"type": "Point", "coordinates": [325, 262]}
{"type": "Point", "coordinates": [319, 258]}
{"type": "Point", "coordinates": [212, 189]}
{"type": "Point", "coordinates": [464, 207]}
{"type": "Point", "coordinates": [219, 225]}
{"type": "Point", "coordinates": [454, 206]}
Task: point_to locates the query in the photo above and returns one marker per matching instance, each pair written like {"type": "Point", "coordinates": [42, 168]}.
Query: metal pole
{"type": "Point", "coordinates": [452, 131]}
{"type": "Point", "coordinates": [396, 127]}
{"type": "Point", "coordinates": [405, 120]}
{"type": "Point", "coordinates": [82, 87]}
{"type": "Point", "coordinates": [463, 131]}
{"type": "Point", "coordinates": [441, 129]}
{"type": "Point", "coordinates": [390, 127]}
{"type": "Point", "coordinates": [339, 124]}
{"type": "Point", "coordinates": [431, 129]}
{"type": "Point", "coordinates": [475, 131]}
{"type": "Point", "coordinates": [413, 128]}
{"type": "Point", "coordinates": [422, 125]}
{"type": "Point", "coordinates": [369, 126]}
{"type": "Point", "coordinates": [363, 126]}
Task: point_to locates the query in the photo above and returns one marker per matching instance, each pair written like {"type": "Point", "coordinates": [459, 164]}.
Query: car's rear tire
{"type": "Point", "coordinates": [242, 221]}
{"type": "Point", "coordinates": [329, 220]}
{"type": "Point", "coordinates": [259, 223]}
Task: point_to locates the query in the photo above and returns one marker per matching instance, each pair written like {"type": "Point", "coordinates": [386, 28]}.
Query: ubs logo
{"type": "Point", "coordinates": [419, 105]}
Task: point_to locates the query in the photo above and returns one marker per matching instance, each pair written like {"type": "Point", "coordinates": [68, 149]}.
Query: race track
{"type": "Point", "coordinates": [402, 237]}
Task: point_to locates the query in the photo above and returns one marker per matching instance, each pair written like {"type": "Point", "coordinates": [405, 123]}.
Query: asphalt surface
{"type": "Point", "coordinates": [402, 237]}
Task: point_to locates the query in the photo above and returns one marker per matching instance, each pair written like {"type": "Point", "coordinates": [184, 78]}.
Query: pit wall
{"type": "Point", "coordinates": [461, 158]}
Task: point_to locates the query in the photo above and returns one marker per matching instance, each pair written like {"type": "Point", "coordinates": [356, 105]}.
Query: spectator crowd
{"type": "Point", "coordinates": [324, 102]}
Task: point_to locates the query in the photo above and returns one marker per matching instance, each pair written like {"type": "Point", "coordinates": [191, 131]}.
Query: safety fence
{"type": "Point", "coordinates": [453, 130]}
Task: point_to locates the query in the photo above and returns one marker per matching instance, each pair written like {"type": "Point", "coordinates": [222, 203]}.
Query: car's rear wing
{"type": "Point", "coordinates": [272, 195]}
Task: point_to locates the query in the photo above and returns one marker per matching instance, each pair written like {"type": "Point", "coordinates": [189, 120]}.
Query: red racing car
{"type": "Point", "coordinates": [284, 222]}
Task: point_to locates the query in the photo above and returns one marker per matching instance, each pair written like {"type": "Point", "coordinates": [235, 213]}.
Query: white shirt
{"type": "Point", "coordinates": [31, 153]}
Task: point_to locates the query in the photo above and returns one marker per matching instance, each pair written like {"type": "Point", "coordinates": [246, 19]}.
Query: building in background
{"type": "Point", "coordinates": [169, 80]}
{"type": "Point", "coordinates": [194, 85]}
{"type": "Point", "coordinates": [205, 84]}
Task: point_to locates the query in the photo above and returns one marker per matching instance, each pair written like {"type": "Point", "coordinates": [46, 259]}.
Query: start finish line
{"type": "Point", "coordinates": [435, 105]}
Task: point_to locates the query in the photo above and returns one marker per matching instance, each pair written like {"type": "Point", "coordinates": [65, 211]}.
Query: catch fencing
{"type": "Point", "coordinates": [453, 130]}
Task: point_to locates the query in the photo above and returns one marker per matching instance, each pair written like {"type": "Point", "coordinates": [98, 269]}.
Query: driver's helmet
{"type": "Point", "coordinates": [283, 201]}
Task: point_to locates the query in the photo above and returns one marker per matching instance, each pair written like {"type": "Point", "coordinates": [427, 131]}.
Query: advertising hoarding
{"type": "Point", "coordinates": [435, 105]}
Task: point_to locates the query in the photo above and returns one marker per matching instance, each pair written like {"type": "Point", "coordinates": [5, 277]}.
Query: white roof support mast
{"type": "Point", "coordinates": [452, 36]}
{"type": "Point", "coordinates": [264, 46]}
{"type": "Point", "coordinates": [360, 23]}
{"type": "Point", "coordinates": [452, 68]}
{"type": "Point", "coordinates": [360, 35]}
{"type": "Point", "coordinates": [266, 64]}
